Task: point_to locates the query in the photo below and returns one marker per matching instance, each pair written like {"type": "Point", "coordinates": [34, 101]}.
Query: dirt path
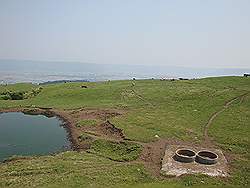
{"type": "Point", "coordinates": [207, 140]}
{"type": "Point", "coordinates": [131, 90]}
{"type": "Point", "coordinates": [142, 98]}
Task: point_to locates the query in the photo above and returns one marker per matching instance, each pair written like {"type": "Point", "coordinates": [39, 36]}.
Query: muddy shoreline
{"type": "Point", "coordinates": [70, 119]}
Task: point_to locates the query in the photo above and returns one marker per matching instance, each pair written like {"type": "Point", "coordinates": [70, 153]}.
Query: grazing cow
{"type": "Point", "coordinates": [183, 78]}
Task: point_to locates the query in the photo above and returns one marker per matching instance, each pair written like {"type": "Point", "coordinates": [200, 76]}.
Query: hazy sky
{"type": "Point", "coordinates": [192, 33]}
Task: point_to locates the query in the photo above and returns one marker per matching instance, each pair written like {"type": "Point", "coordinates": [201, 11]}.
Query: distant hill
{"type": "Point", "coordinates": [40, 71]}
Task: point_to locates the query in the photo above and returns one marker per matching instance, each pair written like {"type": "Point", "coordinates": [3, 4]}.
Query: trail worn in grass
{"type": "Point", "coordinates": [212, 118]}
{"type": "Point", "coordinates": [177, 110]}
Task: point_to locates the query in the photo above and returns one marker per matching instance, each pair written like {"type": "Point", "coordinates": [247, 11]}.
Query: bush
{"type": "Point", "coordinates": [5, 97]}
{"type": "Point", "coordinates": [16, 95]}
{"type": "Point", "coordinates": [19, 95]}
{"type": "Point", "coordinates": [33, 93]}
{"type": "Point", "coordinates": [12, 95]}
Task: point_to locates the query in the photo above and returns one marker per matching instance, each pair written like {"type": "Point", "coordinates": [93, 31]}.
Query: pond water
{"type": "Point", "coordinates": [22, 134]}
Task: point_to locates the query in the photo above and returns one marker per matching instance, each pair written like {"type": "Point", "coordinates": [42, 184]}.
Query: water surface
{"type": "Point", "coordinates": [22, 134]}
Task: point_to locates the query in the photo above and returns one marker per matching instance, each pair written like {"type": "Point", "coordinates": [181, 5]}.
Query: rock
{"type": "Point", "coordinates": [157, 136]}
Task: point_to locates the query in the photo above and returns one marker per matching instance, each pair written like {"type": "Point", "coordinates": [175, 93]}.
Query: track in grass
{"type": "Point", "coordinates": [207, 140]}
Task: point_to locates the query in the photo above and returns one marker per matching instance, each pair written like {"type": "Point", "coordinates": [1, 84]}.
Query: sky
{"type": "Point", "coordinates": [187, 33]}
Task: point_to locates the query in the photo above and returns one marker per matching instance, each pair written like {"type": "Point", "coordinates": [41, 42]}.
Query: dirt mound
{"type": "Point", "coordinates": [105, 130]}
{"type": "Point", "coordinates": [110, 129]}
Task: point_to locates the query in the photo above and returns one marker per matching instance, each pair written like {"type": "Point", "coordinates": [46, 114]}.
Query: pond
{"type": "Point", "coordinates": [22, 134]}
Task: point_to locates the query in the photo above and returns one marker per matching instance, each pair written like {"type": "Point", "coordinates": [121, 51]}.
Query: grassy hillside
{"type": "Point", "coordinates": [171, 109]}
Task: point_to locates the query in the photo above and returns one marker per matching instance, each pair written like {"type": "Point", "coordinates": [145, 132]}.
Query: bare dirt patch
{"type": "Point", "coordinates": [104, 130]}
{"type": "Point", "coordinates": [153, 153]}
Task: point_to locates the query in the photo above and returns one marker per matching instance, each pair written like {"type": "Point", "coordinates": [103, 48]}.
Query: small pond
{"type": "Point", "coordinates": [22, 134]}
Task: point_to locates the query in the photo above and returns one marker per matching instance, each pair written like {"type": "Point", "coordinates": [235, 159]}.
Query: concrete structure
{"type": "Point", "coordinates": [206, 157]}
{"type": "Point", "coordinates": [184, 155]}
{"type": "Point", "coordinates": [173, 167]}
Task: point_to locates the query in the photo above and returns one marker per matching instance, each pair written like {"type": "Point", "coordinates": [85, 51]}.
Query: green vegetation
{"type": "Point", "coordinates": [122, 151]}
{"type": "Point", "coordinates": [231, 131]}
{"type": "Point", "coordinates": [87, 122]}
{"type": "Point", "coordinates": [85, 137]}
{"type": "Point", "coordinates": [19, 95]}
{"type": "Point", "coordinates": [171, 109]}
{"type": "Point", "coordinates": [70, 169]}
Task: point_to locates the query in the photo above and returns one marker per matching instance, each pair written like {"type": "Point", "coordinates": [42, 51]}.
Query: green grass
{"type": "Point", "coordinates": [87, 122]}
{"type": "Point", "coordinates": [81, 169]}
{"type": "Point", "coordinates": [84, 137]}
{"type": "Point", "coordinates": [231, 132]}
{"type": "Point", "coordinates": [70, 169]}
{"type": "Point", "coordinates": [177, 110]}
{"type": "Point", "coordinates": [122, 151]}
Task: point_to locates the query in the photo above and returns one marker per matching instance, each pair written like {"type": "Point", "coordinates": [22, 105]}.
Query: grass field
{"type": "Point", "coordinates": [170, 109]}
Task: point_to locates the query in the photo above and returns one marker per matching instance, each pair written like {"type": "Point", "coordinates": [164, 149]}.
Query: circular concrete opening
{"type": "Point", "coordinates": [185, 155]}
{"type": "Point", "coordinates": [206, 157]}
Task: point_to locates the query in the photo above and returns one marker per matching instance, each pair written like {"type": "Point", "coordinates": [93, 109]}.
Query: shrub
{"type": "Point", "coordinates": [16, 95]}
{"type": "Point", "coordinates": [19, 95]}
{"type": "Point", "coordinates": [5, 97]}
